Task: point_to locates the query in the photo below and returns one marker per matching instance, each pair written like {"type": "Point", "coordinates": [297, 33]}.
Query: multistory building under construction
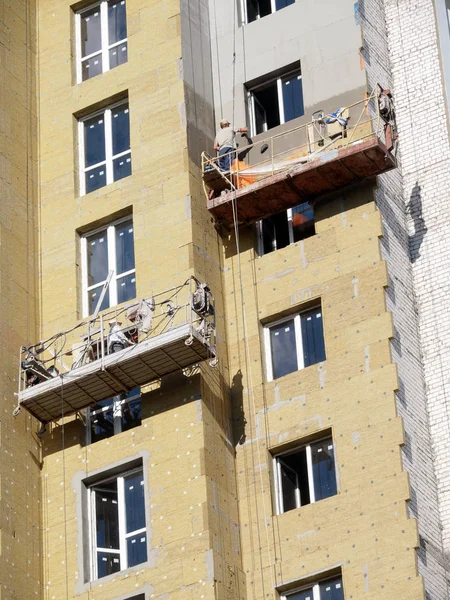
{"type": "Point", "coordinates": [223, 261]}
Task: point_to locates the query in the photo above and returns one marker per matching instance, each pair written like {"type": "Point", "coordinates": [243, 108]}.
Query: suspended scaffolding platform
{"type": "Point", "coordinates": [158, 342]}
{"type": "Point", "coordinates": [303, 164]}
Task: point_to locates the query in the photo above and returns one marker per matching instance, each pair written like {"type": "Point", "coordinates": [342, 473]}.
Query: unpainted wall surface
{"type": "Point", "coordinates": [20, 523]}
{"type": "Point", "coordinates": [324, 39]}
{"type": "Point", "coordinates": [364, 529]}
{"type": "Point", "coordinates": [185, 431]}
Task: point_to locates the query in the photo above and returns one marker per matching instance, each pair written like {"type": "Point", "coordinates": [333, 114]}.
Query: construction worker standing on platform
{"type": "Point", "coordinates": [225, 144]}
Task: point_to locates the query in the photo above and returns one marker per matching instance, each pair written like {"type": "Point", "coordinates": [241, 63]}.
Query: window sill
{"type": "Point", "coordinates": [84, 587]}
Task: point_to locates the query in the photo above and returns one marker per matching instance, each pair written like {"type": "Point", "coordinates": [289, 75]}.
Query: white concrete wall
{"type": "Point", "coordinates": [325, 38]}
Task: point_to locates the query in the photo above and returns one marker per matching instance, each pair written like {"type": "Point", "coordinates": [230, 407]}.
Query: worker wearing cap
{"type": "Point", "coordinates": [225, 144]}
{"type": "Point", "coordinates": [117, 340]}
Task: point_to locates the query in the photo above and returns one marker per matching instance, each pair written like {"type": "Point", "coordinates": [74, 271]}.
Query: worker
{"type": "Point", "coordinates": [117, 340]}
{"type": "Point", "coordinates": [225, 143]}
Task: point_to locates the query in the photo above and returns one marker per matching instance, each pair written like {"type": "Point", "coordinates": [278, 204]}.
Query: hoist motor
{"type": "Point", "coordinates": [202, 300]}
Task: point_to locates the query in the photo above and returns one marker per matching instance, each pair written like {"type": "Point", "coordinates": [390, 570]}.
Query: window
{"type": "Point", "coordinates": [328, 589]}
{"type": "Point", "coordinates": [294, 343]}
{"type": "Point", "coordinates": [305, 475]}
{"type": "Point", "coordinates": [106, 250]}
{"type": "Point", "coordinates": [275, 101]}
{"type": "Point", "coordinates": [105, 154]}
{"type": "Point", "coordinates": [112, 416]}
{"type": "Point", "coordinates": [118, 524]}
{"type": "Point", "coordinates": [287, 227]}
{"type": "Point", "coordinates": [101, 38]}
{"type": "Point", "coordinates": [256, 9]}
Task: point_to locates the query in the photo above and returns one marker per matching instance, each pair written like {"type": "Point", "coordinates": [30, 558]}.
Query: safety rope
{"type": "Point", "coordinates": [63, 446]}
{"type": "Point", "coordinates": [249, 380]}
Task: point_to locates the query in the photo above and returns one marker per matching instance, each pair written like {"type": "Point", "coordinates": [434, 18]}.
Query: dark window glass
{"type": "Point", "coordinates": [332, 589]}
{"type": "Point", "coordinates": [134, 502]}
{"type": "Point", "coordinates": [312, 336]}
{"type": "Point", "coordinates": [122, 167]}
{"type": "Point", "coordinates": [102, 423]}
{"type": "Point", "coordinates": [275, 232]}
{"type": "Point", "coordinates": [120, 129]}
{"type": "Point", "coordinates": [107, 564]}
{"type": "Point", "coordinates": [304, 595]}
{"type": "Point", "coordinates": [284, 349]}
{"type": "Point", "coordinates": [292, 98]}
{"type": "Point", "coordinates": [268, 99]}
{"type": "Point", "coordinates": [95, 179]}
{"type": "Point", "coordinates": [94, 295]}
{"type": "Point", "coordinates": [126, 288]}
{"type": "Point", "coordinates": [289, 486]}
{"type": "Point", "coordinates": [117, 21]}
{"type": "Point", "coordinates": [107, 515]}
{"type": "Point", "coordinates": [324, 473]}
{"type": "Point", "coordinates": [279, 4]}
{"type": "Point", "coordinates": [260, 116]}
{"type": "Point", "coordinates": [118, 55]}
{"type": "Point", "coordinates": [303, 221]}
{"type": "Point", "coordinates": [97, 258]}
{"type": "Point", "coordinates": [298, 464]}
{"type": "Point", "coordinates": [131, 414]}
{"type": "Point", "coordinates": [91, 37]}
{"type": "Point", "coordinates": [137, 549]}
{"type": "Point", "coordinates": [94, 141]}
{"type": "Point", "coordinates": [257, 9]}
{"type": "Point", "coordinates": [124, 247]}
{"type": "Point", "coordinates": [92, 67]}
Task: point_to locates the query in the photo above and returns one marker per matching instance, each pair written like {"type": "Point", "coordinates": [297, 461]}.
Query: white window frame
{"type": "Point", "coordinates": [105, 46]}
{"type": "Point", "coordinates": [109, 156]}
{"type": "Point", "coordinates": [315, 588]}
{"type": "Point", "coordinates": [278, 479]}
{"type": "Point", "coordinates": [251, 98]}
{"type": "Point", "coordinates": [298, 339]}
{"type": "Point", "coordinates": [123, 536]}
{"type": "Point", "coordinates": [116, 405]}
{"type": "Point", "coordinates": [111, 241]}
{"type": "Point", "coordinates": [244, 11]}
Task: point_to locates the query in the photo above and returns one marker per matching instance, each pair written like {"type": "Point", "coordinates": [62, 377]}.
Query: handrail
{"type": "Point", "coordinates": [190, 303]}
{"type": "Point", "coordinates": [326, 133]}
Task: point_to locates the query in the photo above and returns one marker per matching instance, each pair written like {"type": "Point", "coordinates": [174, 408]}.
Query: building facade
{"type": "Point", "coordinates": [279, 432]}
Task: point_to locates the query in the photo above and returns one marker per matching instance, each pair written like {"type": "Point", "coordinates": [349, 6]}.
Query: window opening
{"type": "Point", "coordinates": [105, 154]}
{"type": "Point", "coordinates": [329, 589]}
{"type": "Point", "coordinates": [276, 101]}
{"type": "Point", "coordinates": [256, 9]}
{"type": "Point", "coordinates": [113, 416]}
{"type": "Point", "coordinates": [305, 475]}
{"type": "Point", "coordinates": [287, 227]}
{"type": "Point", "coordinates": [108, 249]}
{"type": "Point", "coordinates": [294, 343]}
{"type": "Point", "coordinates": [101, 38]}
{"type": "Point", "coordinates": [119, 536]}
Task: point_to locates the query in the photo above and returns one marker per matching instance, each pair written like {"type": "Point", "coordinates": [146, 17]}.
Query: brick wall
{"type": "Point", "coordinates": [398, 40]}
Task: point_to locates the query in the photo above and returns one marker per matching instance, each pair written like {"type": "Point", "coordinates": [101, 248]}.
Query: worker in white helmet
{"type": "Point", "coordinates": [225, 144]}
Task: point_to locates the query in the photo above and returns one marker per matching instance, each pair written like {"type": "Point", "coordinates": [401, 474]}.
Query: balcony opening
{"type": "Point", "coordinates": [285, 228]}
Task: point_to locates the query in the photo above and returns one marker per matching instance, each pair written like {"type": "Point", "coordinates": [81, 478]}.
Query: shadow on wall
{"type": "Point", "coordinates": [237, 408]}
{"type": "Point", "coordinates": [414, 208]}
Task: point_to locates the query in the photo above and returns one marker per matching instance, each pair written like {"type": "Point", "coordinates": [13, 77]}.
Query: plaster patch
{"type": "Point", "coordinates": [278, 275]}
{"type": "Point", "coordinates": [303, 255]}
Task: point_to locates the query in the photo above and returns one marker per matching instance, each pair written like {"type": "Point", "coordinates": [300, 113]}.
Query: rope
{"type": "Point", "coordinates": [63, 444]}
{"type": "Point", "coordinates": [251, 407]}
{"type": "Point", "coordinates": [250, 391]}
{"type": "Point", "coordinates": [217, 60]}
